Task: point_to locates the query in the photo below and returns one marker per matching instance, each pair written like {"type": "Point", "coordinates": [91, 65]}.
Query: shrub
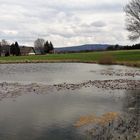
{"type": "Point", "coordinates": [106, 58]}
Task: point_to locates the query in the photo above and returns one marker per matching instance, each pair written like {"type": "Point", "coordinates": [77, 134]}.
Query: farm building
{"type": "Point", "coordinates": [27, 50]}
{"type": "Point", "coordinates": [5, 50]}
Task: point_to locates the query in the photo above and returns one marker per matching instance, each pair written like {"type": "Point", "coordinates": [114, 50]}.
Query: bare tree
{"type": "Point", "coordinates": [4, 42]}
{"type": "Point", "coordinates": [4, 47]}
{"type": "Point", "coordinates": [132, 11]}
{"type": "Point", "coordinates": [39, 44]}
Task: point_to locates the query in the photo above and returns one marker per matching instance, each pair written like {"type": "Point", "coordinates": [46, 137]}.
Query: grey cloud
{"type": "Point", "coordinates": [99, 24]}
{"type": "Point", "coordinates": [67, 19]}
{"type": "Point", "coordinates": [80, 30]}
{"type": "Point", "coordinates": [96, 8]}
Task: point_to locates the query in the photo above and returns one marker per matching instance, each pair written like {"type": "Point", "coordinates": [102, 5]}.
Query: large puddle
{"type": "Point", "coordinates": [65, 101]}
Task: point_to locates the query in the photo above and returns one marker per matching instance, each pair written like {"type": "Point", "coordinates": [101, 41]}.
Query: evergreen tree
{"type": "Point", "coordinates": [14, 49]}
{"type": "Point", "coordinates": [0, 49]}
{"type": "Point", "coordinates": [46, 47]}
{"type": "Point", "coordinates": [17, 49]}
{"type": "Point", "coordinates": [51, 48]}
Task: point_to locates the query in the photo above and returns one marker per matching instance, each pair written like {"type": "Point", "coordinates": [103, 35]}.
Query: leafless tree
{"type": "Point", "coordinates": [4, 42]}
{"type": "Point", "coordinates": [39, 44]}
{"type": "Point", "coordinates": [132, 10]}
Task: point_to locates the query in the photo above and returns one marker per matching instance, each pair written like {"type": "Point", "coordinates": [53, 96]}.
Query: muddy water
{"type": "Point", "coordinates": [50, 114]}
{"type": "Point", "coordinates": [59, 73]}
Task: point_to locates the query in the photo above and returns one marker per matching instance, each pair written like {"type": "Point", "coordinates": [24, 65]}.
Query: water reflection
{"type": "Point", "coordinates": [132, 108]}
{"type": "Point", "coordinates": [51, 116]}
{"type": "Point", "coordinates": [53, 133]}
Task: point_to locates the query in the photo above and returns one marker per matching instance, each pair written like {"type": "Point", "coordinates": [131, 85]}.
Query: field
{"type": "Point", "coordinates": [127, 57]}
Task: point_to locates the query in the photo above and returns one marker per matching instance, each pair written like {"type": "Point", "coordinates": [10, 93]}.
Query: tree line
{"type": "Point", "coordinates": [40, 46]}
{"type": "Point", "coordinates": [7, 49]}
{"type": "Point", "coordinates": [125, 47]}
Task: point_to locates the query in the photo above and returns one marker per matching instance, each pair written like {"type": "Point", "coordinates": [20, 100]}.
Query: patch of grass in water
{"type": "Point", "coordinates": [92, 119]}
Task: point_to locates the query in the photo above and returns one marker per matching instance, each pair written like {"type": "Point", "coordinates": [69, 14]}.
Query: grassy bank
{"type": "Point", "coordinates": [128, 57]}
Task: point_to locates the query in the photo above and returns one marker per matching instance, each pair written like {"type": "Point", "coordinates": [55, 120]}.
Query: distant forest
{"type": "Point", "coordinates": [119, 47]}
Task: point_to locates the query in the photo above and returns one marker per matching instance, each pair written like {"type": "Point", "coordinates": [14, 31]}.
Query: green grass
{"type": "Point", "coordinates": [128, 56]}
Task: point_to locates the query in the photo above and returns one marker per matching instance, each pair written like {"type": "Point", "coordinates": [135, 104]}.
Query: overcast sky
{"type": "Point", "coordinates": [64, 22]}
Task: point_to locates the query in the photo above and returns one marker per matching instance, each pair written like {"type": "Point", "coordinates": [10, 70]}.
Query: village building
{"type": "Point", "coordinates": [24, 50]}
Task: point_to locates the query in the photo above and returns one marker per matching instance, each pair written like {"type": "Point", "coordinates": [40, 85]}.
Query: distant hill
{"type": "Point", "coordinates": [87, 47]}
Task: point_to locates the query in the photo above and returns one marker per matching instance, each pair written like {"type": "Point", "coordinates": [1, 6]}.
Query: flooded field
{"type": "Point", "coordinates": [65, 101]}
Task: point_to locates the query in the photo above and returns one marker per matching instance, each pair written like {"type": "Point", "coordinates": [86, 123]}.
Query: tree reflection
{"type": "Point", "coordinates": [132, 108]}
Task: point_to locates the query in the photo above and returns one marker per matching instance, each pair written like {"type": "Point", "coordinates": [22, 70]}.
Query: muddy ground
{"type": "Point", "coordinates": [12, 90]}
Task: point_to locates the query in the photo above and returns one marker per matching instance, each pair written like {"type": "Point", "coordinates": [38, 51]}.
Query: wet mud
{"type": "Point", "coordinates": [13, 90]}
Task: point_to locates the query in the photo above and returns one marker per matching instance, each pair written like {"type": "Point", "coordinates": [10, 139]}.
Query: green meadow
{"type": "Point", "coordinates": [124, 57]}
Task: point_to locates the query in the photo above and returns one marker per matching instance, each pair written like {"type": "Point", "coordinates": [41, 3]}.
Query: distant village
{"type": "Point", "coordinates": [40, 47]}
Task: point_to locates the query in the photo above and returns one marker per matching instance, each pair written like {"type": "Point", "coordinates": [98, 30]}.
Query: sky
{"type": "Point", "coordinates": [64, 22]}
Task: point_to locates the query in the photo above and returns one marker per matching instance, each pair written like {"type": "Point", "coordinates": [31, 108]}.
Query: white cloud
{"type": "Point", "coordinates": [65, 22]}
{"type": "Point", "coordinates": [9, 32]}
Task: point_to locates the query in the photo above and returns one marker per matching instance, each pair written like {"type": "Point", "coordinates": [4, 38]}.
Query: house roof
{"type": "Point", "coordinates": [26, 50]}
